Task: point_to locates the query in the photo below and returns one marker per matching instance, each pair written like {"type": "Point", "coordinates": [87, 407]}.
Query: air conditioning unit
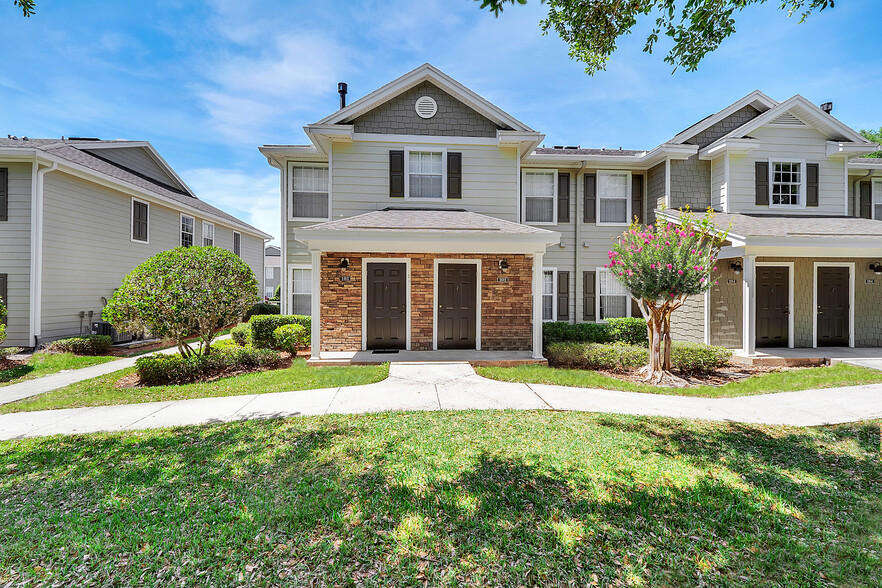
{"type": "Point", "coordinates": [105, 328]}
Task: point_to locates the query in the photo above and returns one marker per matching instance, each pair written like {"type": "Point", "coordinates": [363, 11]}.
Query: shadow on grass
{"type": "Point", "coordinates": [14, 373]}
{"type": "Point", "coordinates": [329, 501]}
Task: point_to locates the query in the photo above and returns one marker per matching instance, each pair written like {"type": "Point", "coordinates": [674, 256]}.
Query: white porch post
{"type": "Point", "coordinates": [537, 305]}
{"type": "Point", "coordinates": [748, 305]}
{"type": "Point", "coordinates": [315, 340]}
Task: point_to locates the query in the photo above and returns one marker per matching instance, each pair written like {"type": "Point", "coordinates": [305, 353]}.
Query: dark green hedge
{"type": "Point", "coordinates": [162, 370]}
{"type": "Point", "coordinates": [263, 327]}
{"type": "Point", "coordinates": [624, 330]}
{"type": "Point", "coordinates": [686, 358]}
{"type": "Point", "coordinates": [85, 345]}
{"type": "Point", "coordinates": [261, 308]}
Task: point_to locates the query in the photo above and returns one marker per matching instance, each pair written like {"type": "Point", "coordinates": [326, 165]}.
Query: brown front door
{"type": "Point", "coordinates": [832, 308]}
{"type": "Point", "coordinates": [457, 305]}
{"type": "Point", "coordinates": [386, 306]}
{"type": "Point", "coordinates": [772, 306]}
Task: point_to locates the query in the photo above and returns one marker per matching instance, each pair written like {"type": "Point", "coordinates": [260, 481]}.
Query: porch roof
{"type": "Point", "coordinates": [426, 230]}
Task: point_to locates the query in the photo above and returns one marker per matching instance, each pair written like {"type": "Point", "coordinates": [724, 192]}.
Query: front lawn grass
{"type": "Point", "coordinates": [784, 381]}
{"type": "Point", "coordinates": [42, 364]}
{"type": "Point", "coordinates": [103, 390]}
{"type": "Point", "coordinates": [446, 499]}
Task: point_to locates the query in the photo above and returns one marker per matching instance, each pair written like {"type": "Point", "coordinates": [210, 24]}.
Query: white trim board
{"type": "Point", "coordinates": [851, 274]}
{"type": "Point", "coordinates": [364, 263]}
{"type": "Point", "coordinates": [436, 262]}
{"type": "Point", "coordinates": [791, 326]}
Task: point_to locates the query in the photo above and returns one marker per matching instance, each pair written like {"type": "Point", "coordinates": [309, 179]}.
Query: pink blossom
{"type": "Point", "coordinates": [670, 266]}
{"type": "Point", "coordinates": [680, 272]}
{"type": "Point", "coordinates": [651, 266]}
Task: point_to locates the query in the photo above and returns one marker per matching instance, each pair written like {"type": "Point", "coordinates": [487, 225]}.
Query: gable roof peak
{"type": "Point", "coordinates": [756, 99]}
{"type": "Point", "coordinates": [426, 72]}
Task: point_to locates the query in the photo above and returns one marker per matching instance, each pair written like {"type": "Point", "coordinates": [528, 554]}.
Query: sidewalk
{"type": "Point", "coordinates": [452, 386]}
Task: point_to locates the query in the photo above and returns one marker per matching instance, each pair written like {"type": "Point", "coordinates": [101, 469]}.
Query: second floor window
{"type": "Point", "coordinates": [539, 196]}
{"type": "Point", "coordinates": [613, 197]}
{"type": "Point", "coordinates": [270, 273]}
{"type": "Point", "coordinates": [787, 179]}
{"type": "Point", "coordinates": [425, 174]}
{"type": "Point", "coordinates": [140, 221]}
{"type": "Point", "coordinates": [187, 229]}
{"type": "Point", "coordinates": [309, 192]}
{"type": "Point", "coordinates": [207, 234]}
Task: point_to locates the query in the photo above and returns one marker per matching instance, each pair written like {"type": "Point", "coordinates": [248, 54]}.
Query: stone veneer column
{"type": "Point", "coordinates": [315, 338]}
{"type": "Point", "coordinates": [748, 301]}
{"type": "Point", "coordinates": [537, 305]}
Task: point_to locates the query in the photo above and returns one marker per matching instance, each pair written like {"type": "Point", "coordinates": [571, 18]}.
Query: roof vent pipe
{"type": "Point", "coordinates": [827, 107]}
{"type": "Point", "coordinates": [342, 88]}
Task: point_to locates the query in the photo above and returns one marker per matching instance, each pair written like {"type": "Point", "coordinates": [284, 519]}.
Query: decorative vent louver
{"type": "Point", "coordinates": [426, 107]}
{"type": "Point", "coordinates": [789, 120]}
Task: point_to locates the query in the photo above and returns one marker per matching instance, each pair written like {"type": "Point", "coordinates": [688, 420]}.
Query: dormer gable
{"type": "Point", "coordinates": [138, 157]}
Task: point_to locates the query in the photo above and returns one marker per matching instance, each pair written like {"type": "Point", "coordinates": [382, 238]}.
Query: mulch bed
{"type": "Point", "coordinates": [720, 377]}
{"type": "Point", "coordinates": [134, 381]}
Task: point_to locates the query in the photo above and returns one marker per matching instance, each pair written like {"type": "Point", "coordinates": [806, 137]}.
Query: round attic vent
{"type": "Point", "coordinates": [426, 107]}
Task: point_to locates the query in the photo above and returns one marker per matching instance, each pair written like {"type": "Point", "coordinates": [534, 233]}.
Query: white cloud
{"type": "Point", "coordinates": [252, 197]}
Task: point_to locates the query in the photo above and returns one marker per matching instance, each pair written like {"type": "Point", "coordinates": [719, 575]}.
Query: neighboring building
{"type": "Point", "coordinates": [421, 216]}
{"type": "Point", "coordinates": [272, 263]}
{"type": "Point", "coordinates": [76, 215]}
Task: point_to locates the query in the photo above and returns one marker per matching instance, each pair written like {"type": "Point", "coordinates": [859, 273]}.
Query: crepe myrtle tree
{"type": "Point", "coordinates": [183, 291]}
{"type": "Point", "coordinates": [662, 265]}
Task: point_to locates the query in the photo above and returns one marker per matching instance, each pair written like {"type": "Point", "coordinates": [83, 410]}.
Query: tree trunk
{"type": "Point", "coordinates": [658, 371]}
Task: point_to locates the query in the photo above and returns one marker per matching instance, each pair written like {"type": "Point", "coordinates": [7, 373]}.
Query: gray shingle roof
{"type": "Point", "coordinates": [72, 151]}
{"type": "Point", "coordinates": [428, 220]}
{"type": "Point", "coordinates": [774, 225]}
{"type": "Point", "coordinates": [580, 151]}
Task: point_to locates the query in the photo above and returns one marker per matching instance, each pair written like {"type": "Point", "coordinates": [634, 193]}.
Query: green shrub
{"type": "Point", "coordinates": [2, 324]}
{"type": "Point", "coordinates": [612, 357]}
{"type": "Point", "coordinates": [162, 370]}
{"type": "Point", "coordinates": [260, 309]}
{"type": "Point", "coordinates": [698, 358]}
{"type": "Point", "coordinates": [264, 326]}
{"type": "Point", "coordinates": [557, 332]}
{"type": "Point", "coordinates": [291, 338]}
{"type": "Point", "coordinates": [277, 295]}
{"type": "Point", "coordinates": [628, 330]}
{"type": "Point", "coordinates": [85, 345]}
{"type": "Point", "coordinates": [241, 334]}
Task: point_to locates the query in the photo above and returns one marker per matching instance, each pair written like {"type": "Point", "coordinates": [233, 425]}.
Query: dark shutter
{"type": "Point", "coordinates": [563, 296]}
{"type": "Point", "coordinates": [4, 194]}
{"type": "Point", "coordinates": [637, 198]}
{"type": "Point", "coordinates": [762, 183]}
{"type": "Point", "coordinates": [237, 244]}
{"type": "Point", "coordinates": [4, 279]}
{"type": "Point", "coordinates": [635, 308]}
{"type": "Point", "coordinates": [454, 175]}
{"type": "Point", "coordinates": [590, 197]}
{"type": "Point", "coordinates": [588, 296]}
{"type": "Point", "coordinates": [396, 174]}
{"type": "Point", "coordinates": [563, 198]}
{"type": "Point", "coordinates": [139, 221]}
{"type": "Point", "coordinates": [811, 184]}
{"type": "Point", "coordinates": [866, 200]}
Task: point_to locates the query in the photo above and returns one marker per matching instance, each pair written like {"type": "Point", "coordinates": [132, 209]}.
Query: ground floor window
{"type": "Point", "coordinates": [613, 296]}
{"type": "Point", "coordinates": [301, 291]}
{"type": "Point", "coordinates": [548, 294]}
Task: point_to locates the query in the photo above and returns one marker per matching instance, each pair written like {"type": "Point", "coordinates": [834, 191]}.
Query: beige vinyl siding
{"type": "Point", "coordinates": [564, 258]}
{"type": "Point", "coordinates": [88, 248]}
{"type": "Point", "coordinates": [360, 179]}
{"type": "Point", "coordinates": [15, 260]}
{"type": "Point", "coordinates": [718, 183]}
{"type": "Point", "coordinates": [788, 144]}
{"type": "Point", "coordinates": [138, 160]}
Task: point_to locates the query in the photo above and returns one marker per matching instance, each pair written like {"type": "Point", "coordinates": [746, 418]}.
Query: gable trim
{"type": "Point", "coordinates": [146, 146]}
{"type": "Point", "coordinates": [426, 72]}
{"type": "Point", "coordinates": [755, 97]}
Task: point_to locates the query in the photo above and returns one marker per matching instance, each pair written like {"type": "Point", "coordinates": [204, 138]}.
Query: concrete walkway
{"type": "Point", "coordinates": [452, 386]}
{"type": "Point", "coordinates": [29, 388]}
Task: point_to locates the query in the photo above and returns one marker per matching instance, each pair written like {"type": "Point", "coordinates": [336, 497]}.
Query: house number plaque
{"type": "Point", "coordinates": [502, 279]}
{"type": "Point", "coordinates": [731, 281]}
{"type": "Point", "coordinates": [870, 281]}
{"type": "Point", "coordinates": [345, 278]}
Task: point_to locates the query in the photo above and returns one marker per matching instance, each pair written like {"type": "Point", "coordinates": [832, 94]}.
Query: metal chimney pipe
{"type": "Point", "coordinates": [827, 107]}
{"type": "Point", "coordinates": [342, 88]}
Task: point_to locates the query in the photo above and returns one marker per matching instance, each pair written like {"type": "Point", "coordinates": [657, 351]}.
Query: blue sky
{"type": "Point", "coordinates": [208, 82]}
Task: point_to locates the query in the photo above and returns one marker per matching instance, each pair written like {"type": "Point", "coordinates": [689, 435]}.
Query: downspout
{"type": "Point", "coordinates": [857, 193]}
{"type": "Point", "coordinates": [36, 279]}
{"type": "Point", "coordinates": [578, 247]}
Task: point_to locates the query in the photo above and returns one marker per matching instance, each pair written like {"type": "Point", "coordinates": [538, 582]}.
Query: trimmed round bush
{"type": "Point", "coordinates": [241, 334]}
{"type": "Point", "coordinates": [261, 308]}
{"type": "Point", "coordinates": [698, 358]}
{"type": "Point", "coordinates": [263, 327]}
{"type": "Point", "coordinates": [611, 357]}
{"type": "Point", "coordinates": [162, 370]}
{"type": "Point", "coordinates": [85, 345]}
{"type": "Point", "coordinates": [291, 338]}
{"type": "Point", "coordinates": [630, 330]}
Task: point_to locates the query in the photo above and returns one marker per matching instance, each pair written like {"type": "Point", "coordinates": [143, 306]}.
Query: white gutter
{"type": "Point", "coordinates": [36, 277]}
